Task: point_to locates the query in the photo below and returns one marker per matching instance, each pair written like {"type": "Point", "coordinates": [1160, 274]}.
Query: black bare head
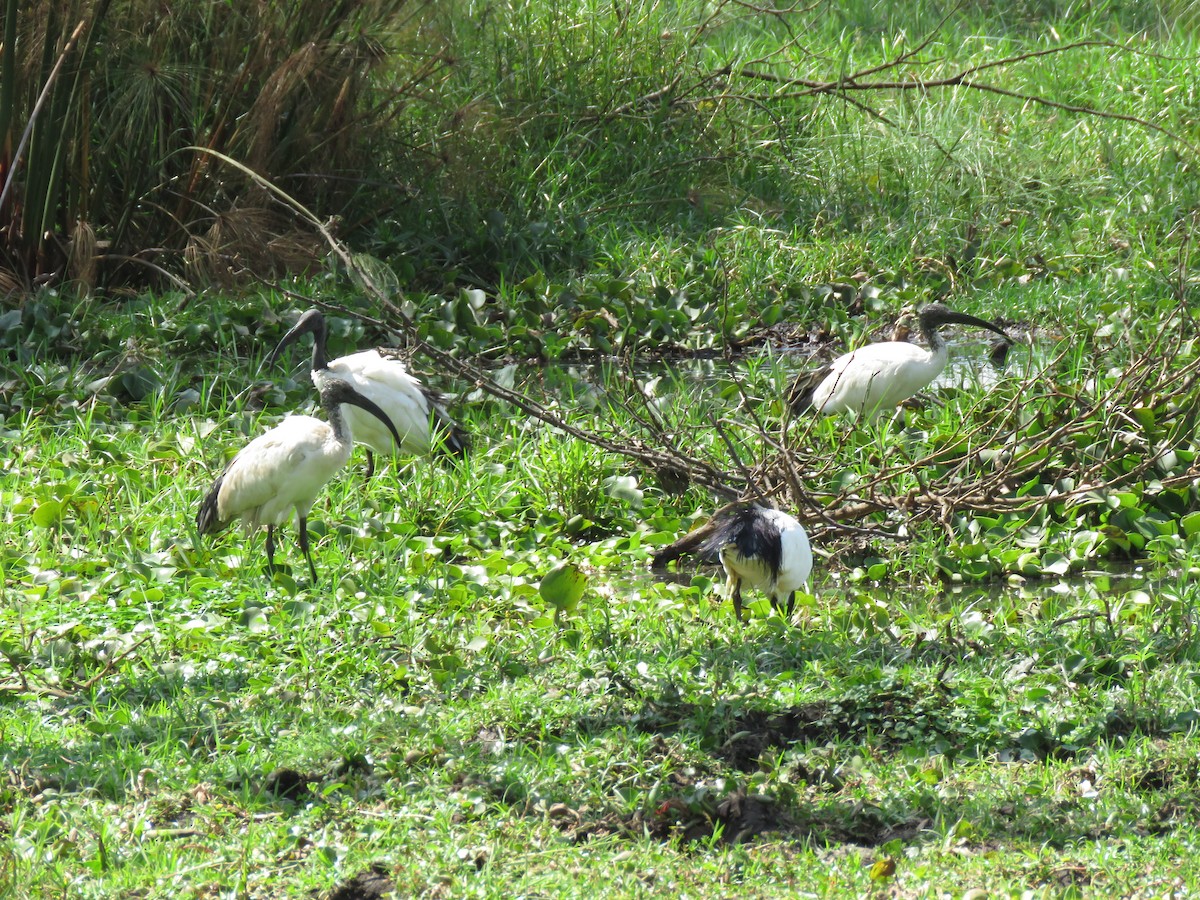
{"type": "Point", "coordinates": [312, 322]}
{"type": "Point", "coordinates": [335, 392]}
{"type": "Point", "coordinates": [934, 315]}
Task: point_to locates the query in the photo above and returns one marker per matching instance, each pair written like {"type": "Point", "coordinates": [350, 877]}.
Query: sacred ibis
{"type": "Point", "coordinates": [413, 410]}
{"type": "Point", "coordinates": [880, 376]}
{"type": "Point", "coordinates": [765, 548]}
{"type": "Point", "coordinates": [285, 468]}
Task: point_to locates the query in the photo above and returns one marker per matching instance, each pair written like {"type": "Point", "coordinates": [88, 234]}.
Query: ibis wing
{"type": "Point", "coordinates": [876, 377]}
{"type": "Point", "coordinates": [207, 518]}
{"type": "Point", "coordinates": [796, 556]}
{"type": "Point", "coordinates": [389, 385]}
{"type": "Point", "coordinates": [269, 472]}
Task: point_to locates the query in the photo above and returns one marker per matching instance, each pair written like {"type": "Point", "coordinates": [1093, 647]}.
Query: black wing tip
{"type": "Point", "coordinates": [728, 526]}
{"type": "Point", "coordinates": [207, 519]}
{"type": "Point", "coordinates": [451, 439]}
{"type": "Point", "coordinates": [754, 535]}
{"type": "Point", "coordinates": [804, 385]}
{"type": "Point", "coordinates": [458, 442]}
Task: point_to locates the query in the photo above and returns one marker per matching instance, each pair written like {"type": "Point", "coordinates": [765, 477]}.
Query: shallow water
{"type": "Point", "coordinates": [1100, 591]}
{"type": "Point", "coordinates": [969, 368]}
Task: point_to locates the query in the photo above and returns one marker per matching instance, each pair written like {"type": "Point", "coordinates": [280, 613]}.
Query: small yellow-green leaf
{"type": "Point", "coordinates": [48, 513]}
{"type": "Point", "coordinates": [883, 869]}
{"type": "Point", "coordinates": [1191, 523]}
{"type": "Point", "coordinates": [563, 585]}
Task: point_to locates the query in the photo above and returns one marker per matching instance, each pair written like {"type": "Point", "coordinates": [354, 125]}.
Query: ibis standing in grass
{"type": "Point", "coordinates": [418, 423]}
{"type": "Point", "coordinates": [879, 377]}
{"type": "Point", "coordinates": [763, 548]}
{"type": "Point", "coordinates": [285, 468]}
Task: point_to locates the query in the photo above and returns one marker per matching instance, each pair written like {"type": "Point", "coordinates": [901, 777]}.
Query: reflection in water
{"type": "Point", "coordinates": [973, 366]}
{"type": "Point", "coordinates": [1115, 590]}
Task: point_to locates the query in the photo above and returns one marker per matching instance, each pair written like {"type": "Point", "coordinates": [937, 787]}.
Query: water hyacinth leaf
{"type": "Point", "coordinates": [138, 383]}
{"type": "Point", "coordinates": [254, 619]}
{"type": "Point", "coordinates": [1055, 563]}
{"type": "Point", "coordinates": [1144, 416]}
{"type": "Point", "coordinates": [477, 643]}
{"type": "Point", "coordinates": [562, 587]}
{"type": "Point", "coordinates": [624, 487]}
{"type": "Point", "coordinates": [1190, 524]}
{"type": "Point", "coordinates": [47, 513]}
{"type": "Point", "coordinates": [299, 609]}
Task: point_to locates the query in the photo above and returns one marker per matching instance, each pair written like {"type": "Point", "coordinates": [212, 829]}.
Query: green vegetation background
{"type": "Point", "coordinates": [627, 177]}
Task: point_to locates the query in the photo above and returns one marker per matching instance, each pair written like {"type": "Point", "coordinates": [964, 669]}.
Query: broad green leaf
{"type": "Point", "coordinates": [1190, 523]}
{"type": "Point", "coordinates": [562, 587]}
{"type": "Point", "coordinates": [48, 513]}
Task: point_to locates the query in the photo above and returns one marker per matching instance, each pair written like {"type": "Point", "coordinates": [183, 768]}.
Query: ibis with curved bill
{"type": "Point", "coordinates": [285, 468]}
{"type": "Point", "coordinates": [763, 548]}
{"type": "Point", "coordinates": [880, 376]}
{"type": "Point", "coordinates": [418, 423]}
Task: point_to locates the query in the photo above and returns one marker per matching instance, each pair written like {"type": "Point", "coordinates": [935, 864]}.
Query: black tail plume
{"type": "Point", "coordinates": [449, 438]}
{"type": "Point", "coordinates": [800, 394]}
{"type": "Point", "coordinates": [752, 534]}
{"type": "Point", "coordinates": [207, 521]}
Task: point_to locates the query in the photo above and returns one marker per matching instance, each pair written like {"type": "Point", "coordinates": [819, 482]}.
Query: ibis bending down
{"type": "Point", "coordinates": [285, 468]}
{"type": "Point", "coordinates": [765, 548]}
{"type": "Point", "coordinates": [418, 423]}
{"type": "Point", "coordinates": [881, 376]}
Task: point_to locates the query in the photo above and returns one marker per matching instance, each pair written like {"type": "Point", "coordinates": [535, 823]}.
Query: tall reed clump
{"type": "Point", "coordinates": [110, 111]}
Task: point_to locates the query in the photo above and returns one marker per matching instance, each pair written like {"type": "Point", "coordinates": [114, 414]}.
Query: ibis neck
{"type": "Point", "coordinates": [932, 337]}
{"type": "Point", "coordinates": [338, 423]}
{"type": "Point", "coordinates": [318, 356]}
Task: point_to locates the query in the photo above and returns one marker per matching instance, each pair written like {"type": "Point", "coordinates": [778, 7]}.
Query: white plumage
{"type": "Point", "coordinates": [765, 549]}
{"type": "Point", "coordinates": [878, 377]}
{"type": "Point", "coordinates": [413, 410]}
{"type": "Point", "coordinates": [403, 400]}
{"type": "Point", "coordinates": [284, 469]}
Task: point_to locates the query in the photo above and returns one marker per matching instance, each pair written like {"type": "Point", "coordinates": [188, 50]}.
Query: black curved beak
{"type": "Point", "coordinates": [342, 392]}
{"type": "Point", "coordinates": [312, 322]}
{"type": "Point", "coordinates": [964, 319]}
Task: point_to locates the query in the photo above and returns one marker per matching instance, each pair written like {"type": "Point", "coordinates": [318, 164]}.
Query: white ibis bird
{"type": "Point", "coordinates": [765, 548]}
{"type": "Point", "coordinates": [285, 468]}
{"type": "Point", "coordinates": [413, 409]}
{"type": "Point", "coordinates": [881, 376]}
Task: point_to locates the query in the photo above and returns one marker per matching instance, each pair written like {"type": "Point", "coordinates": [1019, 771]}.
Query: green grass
{"type": "Point", "coordinates": [1018, 737]}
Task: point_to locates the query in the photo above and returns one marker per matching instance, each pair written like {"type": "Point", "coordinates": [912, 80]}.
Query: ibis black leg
{"type": "Point", "coordinates": [271, 547]}
{"type": "Point", "coordinates": [791, 604]}
{"type": "Point", "coordinates": [304, 546]}
{"type": "Point", "coordinates": [736, 596]}
{"type": "Point", "coordinates": [370, 464]}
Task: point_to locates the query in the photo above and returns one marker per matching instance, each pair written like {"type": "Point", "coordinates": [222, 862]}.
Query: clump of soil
{"type": "Point", "coordinates": [370, 884]}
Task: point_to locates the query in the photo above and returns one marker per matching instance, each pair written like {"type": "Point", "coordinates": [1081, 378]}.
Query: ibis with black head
{"type": "Point", "coordinates": [284, 469]}
{"type": "Point", "coordinates": [413, 410]}
{"type": "Point", "coordinates": [880, 376]}
{"type": "Point", "coordinates": [763, 548]}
